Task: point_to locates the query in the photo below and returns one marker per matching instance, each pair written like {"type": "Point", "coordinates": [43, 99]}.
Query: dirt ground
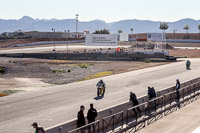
{"type": "Point", "coordinates": [27, 74]}
{"type": "Point", "coordinates": [189, 53]}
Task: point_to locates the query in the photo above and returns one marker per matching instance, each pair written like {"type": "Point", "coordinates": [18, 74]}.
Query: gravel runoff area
{"type": "Point", "coordinates": [29, 74]}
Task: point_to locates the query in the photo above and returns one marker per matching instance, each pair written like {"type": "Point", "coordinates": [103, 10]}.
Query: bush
{"type": "Point", "coordinates": [83, 65]}
{"type": "Point", "coordinates": [68, 70]}
{"type": "Point", "coordinates": [59, 71]}
{"type": "Point", "coordinates": [2, 70]}
{"type": "Point", "coordinates": [147, 61]}
{"type": "Point", "coordinates": [3, 94]}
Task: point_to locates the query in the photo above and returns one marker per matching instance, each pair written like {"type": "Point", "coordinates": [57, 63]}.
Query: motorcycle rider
{"type": "Point", "coordinates": [101, 83]}
{"type": "Point", "coordinates": [188, 64]}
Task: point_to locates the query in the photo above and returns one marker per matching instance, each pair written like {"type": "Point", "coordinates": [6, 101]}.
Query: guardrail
{"type": "Point", "coordinates": [133, 120]}
{"type": "Point", "coordinates": [165, 105]}
{"type": "Point", "coordinates": [92, 127]}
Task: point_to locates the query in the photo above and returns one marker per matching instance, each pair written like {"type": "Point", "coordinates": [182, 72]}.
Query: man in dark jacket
{"type": "Point", "coordinates": [91, 115]}
{"type": "Point", "coordinates": [152, 95]}
{"type": "Point", "coordinates": [178, 85]}
{"type": "Point", "coordinates": [38, 129]}
{"type": "Point", "coordinates": [135, 102]}
{"type": "Point", "coordinates": [80, 116]}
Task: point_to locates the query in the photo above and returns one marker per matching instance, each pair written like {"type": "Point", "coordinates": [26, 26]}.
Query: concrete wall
{"type": "Point", "coordinates": [88, 56]}
{"type": "Point", "coordinates": [70, 125]}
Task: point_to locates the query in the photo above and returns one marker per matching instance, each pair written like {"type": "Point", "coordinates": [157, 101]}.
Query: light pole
{"type": "Point", "coordinates": [67, 40]}
{"type": "Point", "coordinates": [54, 39]}
{"type": "Point", "coordinates": [174, 31]}
{"type": "Point", "coordinates": [77, 25]}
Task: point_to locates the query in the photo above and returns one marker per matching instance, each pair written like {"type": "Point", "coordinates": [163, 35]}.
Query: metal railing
{"type": "Point", "coordinates": [89, 128]}
{"type": "Point", "coordinates": [165, 105]}
{"type": "Point", "coordinates": [112, 122]}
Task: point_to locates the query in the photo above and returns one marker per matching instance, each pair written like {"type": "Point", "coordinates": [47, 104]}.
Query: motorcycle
{"type": "Point", "coordinates": [188, 65]}
{"type": "Point", "coordinates": [100, 90]}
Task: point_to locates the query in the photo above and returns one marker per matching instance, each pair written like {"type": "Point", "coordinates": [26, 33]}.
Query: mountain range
{"type": "Point", "coordinates": [27, 23]}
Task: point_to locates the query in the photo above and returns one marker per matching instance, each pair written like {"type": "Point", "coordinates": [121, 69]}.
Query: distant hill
{"type": "Point", "coordinates": [140, 26]}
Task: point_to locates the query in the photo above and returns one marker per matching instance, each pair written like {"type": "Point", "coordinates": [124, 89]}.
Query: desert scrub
{"type": "Point", "coordinates": [2, 94]}
{"type": "Point", "coordinates": [97, 75]}
{"type": "Point", "coordinates": [2, 70]}
{"type": "Point", "coordinates": [83, 65]}
{"type": "Point", "coordinates": [58, 71]}
{"type": "Point", "coordinates": [8, 92]}
{"type": "Point", "coordinates": [147, 61]}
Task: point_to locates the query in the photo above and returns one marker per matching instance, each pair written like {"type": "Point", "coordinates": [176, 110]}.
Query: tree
{"type": "Point", "coordinates": [164, 26]}
{"type": "Point", "coordinates": [104, 31]}
{"type": "Point", "coordinates": [119, 31]}
{"type": "Point", "coordinates": [186, 27]}
{"type": "Point", "coordinates": [131, 30]}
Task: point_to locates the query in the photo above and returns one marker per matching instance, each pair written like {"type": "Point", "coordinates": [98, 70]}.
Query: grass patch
{"type": "Point", "coordinates": [59, 61]}
{"type": "Point", "coordinates": [83, 65]}
{"type": "Point", "coordinates": [2, 70]}
{"type": "Point", "coordinates": [8, 92]}
{"type": "Point", "coordinates": [147, 61]}
{"type": "Point", "coordinates": [58, 71]}
{"type": "Point", "coordinates": [97, 75]}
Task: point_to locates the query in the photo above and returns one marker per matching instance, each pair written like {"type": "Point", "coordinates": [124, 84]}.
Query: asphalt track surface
{"type": "Point", "coordinates": [56, 104]}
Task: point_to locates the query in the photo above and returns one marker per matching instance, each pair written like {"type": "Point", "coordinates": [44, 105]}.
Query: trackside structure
{"type": "Point", "coordinates": [121, 118]}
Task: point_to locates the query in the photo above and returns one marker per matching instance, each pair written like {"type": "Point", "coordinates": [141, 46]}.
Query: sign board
{"type": "Point", "coordinates": [101, 40]}
{"type": "Point", "coordinates": [123, 37]}
{"type": "Point", "coordinates": [155, 37]}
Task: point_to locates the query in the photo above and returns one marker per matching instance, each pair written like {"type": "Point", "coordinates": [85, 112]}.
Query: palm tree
{"type": "Point", "coordinates": [186, 27]}
{"type": "Point", "coordinates": [164, 26]}
{"type": "Point", "coordinates": [131, 30]}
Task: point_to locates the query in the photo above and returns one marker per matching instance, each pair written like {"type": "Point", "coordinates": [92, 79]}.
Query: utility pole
{"type": "Point", "coordinates": [54, 39]}
{"type": "Point", "coordinates": [77, 25]}
{"type": "Point", "coordinates": [174, 31]}
{"type": "Point", "coordinates": [67, 39]}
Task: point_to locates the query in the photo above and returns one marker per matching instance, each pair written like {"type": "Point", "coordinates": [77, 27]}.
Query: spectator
{"type": "Point", "coordinates": [81, 118]}
{"type": "Point", "coordinates": [91, 115]}
{"type": "Point", "coordinates": [152, 95]}
{"type": "Point", "coordinates": [135, 102]}
{"type": "Point", "coordinates": [178, 85]}
{"type": "Point", "coordinates": [38, 129]}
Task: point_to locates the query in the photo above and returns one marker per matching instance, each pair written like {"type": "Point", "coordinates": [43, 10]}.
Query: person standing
{"type": "Point", "coordinates": [91, 115]}
{"type": "Point", "coordinates": [178, 85]}
{"type": "Point", "coordinates": [135, 102]}
{"type": "Point", "coordinates": [80, 116]}
{"type": "Point", "coordinates": [38, 129]}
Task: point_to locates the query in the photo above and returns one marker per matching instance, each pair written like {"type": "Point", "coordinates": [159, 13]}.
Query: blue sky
{"type": "Point", "coordinates": [107, 10]}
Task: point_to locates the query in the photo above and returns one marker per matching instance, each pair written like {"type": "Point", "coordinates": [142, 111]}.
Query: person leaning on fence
{"type": "Point", "coordinates": [80, 116]}
{"type": "Point", "coordinates": [178, 85]}
{"type": "Point", "coordinates": [135, 102]}
{"type": "Point", "coordinates": [152, 95]}
{"type": "Point", "coordinates": [91, 115]}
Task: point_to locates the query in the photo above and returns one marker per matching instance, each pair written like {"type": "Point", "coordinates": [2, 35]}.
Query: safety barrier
{"type": "Point", "coordinates": [165, 105]}
{"type": "Point", "coordinates": [133, 120]}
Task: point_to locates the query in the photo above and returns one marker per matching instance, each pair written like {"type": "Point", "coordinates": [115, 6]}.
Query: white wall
{"type": "Point", "coordinates": [123, 37]}
{"type": "Point", "coordinates": [101, 40]}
